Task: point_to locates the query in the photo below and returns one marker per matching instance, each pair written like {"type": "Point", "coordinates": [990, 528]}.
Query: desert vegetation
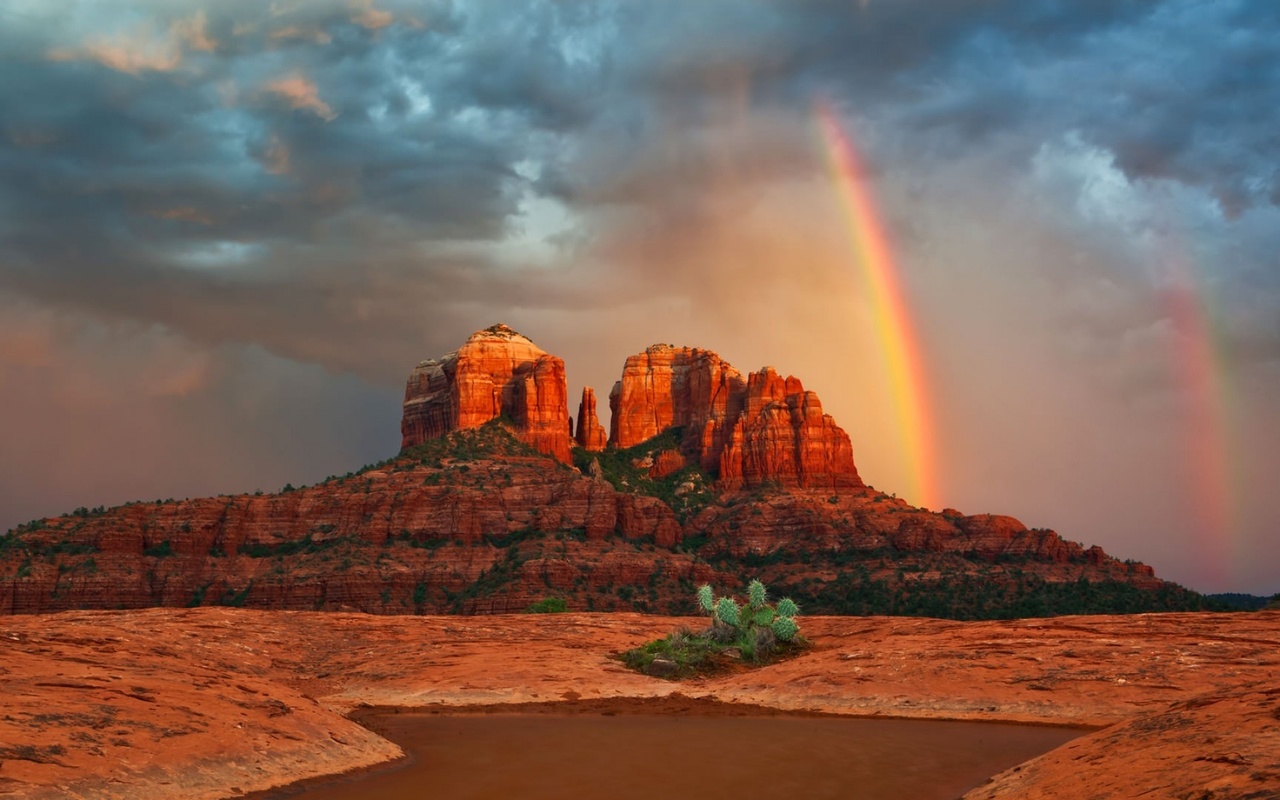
{"type": "Point", "coordinates": [685, 491]}
{"type": "Point", "coordinates": [753, 633]}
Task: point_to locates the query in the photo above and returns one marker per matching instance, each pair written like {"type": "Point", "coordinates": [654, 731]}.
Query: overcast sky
{"type": "Point", "coordinates": [228, 230]}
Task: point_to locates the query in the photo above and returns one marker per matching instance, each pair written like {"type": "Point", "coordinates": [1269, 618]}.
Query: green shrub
{"type": "Point", "coordinates": [162, 550]}
{"type": "Point", "coordinates": [548, 605]}
{"type": "Point", "coordinates": [236, 599]}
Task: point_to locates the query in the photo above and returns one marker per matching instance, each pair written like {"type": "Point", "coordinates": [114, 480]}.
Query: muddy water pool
{"type": "Point", "coordinates": [537, 756]}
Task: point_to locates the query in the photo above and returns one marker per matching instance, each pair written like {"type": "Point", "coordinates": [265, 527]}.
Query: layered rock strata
{"type": "Point", "coordinates": [497, 372]}
{"type": "Point", "coordinates": [405, 537]}
{"type": "Point", "coordinates": [497, 532]}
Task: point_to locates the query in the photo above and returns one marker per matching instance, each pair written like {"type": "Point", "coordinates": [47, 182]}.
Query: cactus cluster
{"type": "Point", "coordinates": [750, 632]}
{"type": "Point", "coordinates": [757, 621]}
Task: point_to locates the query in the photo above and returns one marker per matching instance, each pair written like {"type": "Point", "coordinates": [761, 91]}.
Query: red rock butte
{"type": "Point", "coordinates": [745, 432]}
{"type": "Point", "coordinates": [497, 372]}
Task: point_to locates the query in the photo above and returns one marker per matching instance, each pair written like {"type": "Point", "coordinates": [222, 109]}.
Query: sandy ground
{"type": "Point", "coordinates": [217, 702]}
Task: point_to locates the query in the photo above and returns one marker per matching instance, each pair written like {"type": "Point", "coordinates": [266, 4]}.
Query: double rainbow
{"type": "Point", "coordinates": [898, 344]}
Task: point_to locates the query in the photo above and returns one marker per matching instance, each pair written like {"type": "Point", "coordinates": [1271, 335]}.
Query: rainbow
{"type": "Point", "coordinates": [898, 345]}
{"type": "Point", "coordinates": [1203, 386]}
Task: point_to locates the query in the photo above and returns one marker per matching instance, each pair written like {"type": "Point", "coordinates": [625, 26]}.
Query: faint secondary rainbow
{"type": "Point", "coordinates": [892, 321]}
{"type": "Point", "coordinates": [1200, 373]}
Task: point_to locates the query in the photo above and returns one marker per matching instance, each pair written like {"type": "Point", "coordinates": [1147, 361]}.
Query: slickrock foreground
{"type": "Point", "coordinates": [216, 702]}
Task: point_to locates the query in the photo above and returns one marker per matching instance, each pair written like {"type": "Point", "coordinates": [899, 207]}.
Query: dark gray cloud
{"type": "Point", "coordinates": [243, 147]}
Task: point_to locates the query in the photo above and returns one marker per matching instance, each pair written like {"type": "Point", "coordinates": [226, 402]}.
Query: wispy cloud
{"type": "Point", "coordinates": [367, 16]}
{"type": "Point", "coordinates": [125, 55]}
{"type": "Point", "coordinates": [275, 158]}
{"type": "Point", "coordinates": [301, 94]}
{"type": "Point", "coordinates": [183, 214]}
{"type": "Point", "coordinates": [194, 33]}
{"type": "Point", "coordinates": [143, 48]}
{"type": "Point", "coordinates": [301, 33]}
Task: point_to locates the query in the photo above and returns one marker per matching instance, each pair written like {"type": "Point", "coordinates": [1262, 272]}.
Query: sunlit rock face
{"type": "Point", "coordinates": [497, 372]}
{"type": "Point", "coordinates": [749, 432]}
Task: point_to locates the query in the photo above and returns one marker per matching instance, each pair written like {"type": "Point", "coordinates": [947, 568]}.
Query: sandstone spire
{"type": "Point", "coordinates": [591, 434]}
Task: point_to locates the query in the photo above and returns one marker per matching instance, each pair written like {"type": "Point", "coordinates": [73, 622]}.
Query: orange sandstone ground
{"type": "Point", "coordinates": [217, 702]}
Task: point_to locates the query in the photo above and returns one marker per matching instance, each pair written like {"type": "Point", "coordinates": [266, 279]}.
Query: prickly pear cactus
{"type": "Point", "coordinates": [787, 608]}
{"type": "Point", "coordinates": [706, 599]}
{"type": "Point", "coordinates": [727, 611]}
{"type": "Point", "coordinates": [757, 623]}
{"type": "Point", "coordinates": [785, 628]}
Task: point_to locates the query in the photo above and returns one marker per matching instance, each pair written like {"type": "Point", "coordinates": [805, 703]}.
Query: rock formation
{"type": "Point", "coordinates": [665, 463]}
{"type": "Point", "coordinates": [782, 435]}
{"type": "Point", "coordinates": [590, 435]}
{"type": "Point", "coordinates": [681, 387]}
{"type": "Point", "coordinates": [747, 433]}
{"type": "Point", "coordinates": [497, 372]}
{"type": "Point", "coordinates": [468, 519]}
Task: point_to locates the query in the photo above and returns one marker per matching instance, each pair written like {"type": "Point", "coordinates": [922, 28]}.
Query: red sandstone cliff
{"type": "Point", "coordinates": [747, 433]}
{"type": "Point", "coordinates": [590, 433]}
{"type": "Point", "coordinates": [496, 372]}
